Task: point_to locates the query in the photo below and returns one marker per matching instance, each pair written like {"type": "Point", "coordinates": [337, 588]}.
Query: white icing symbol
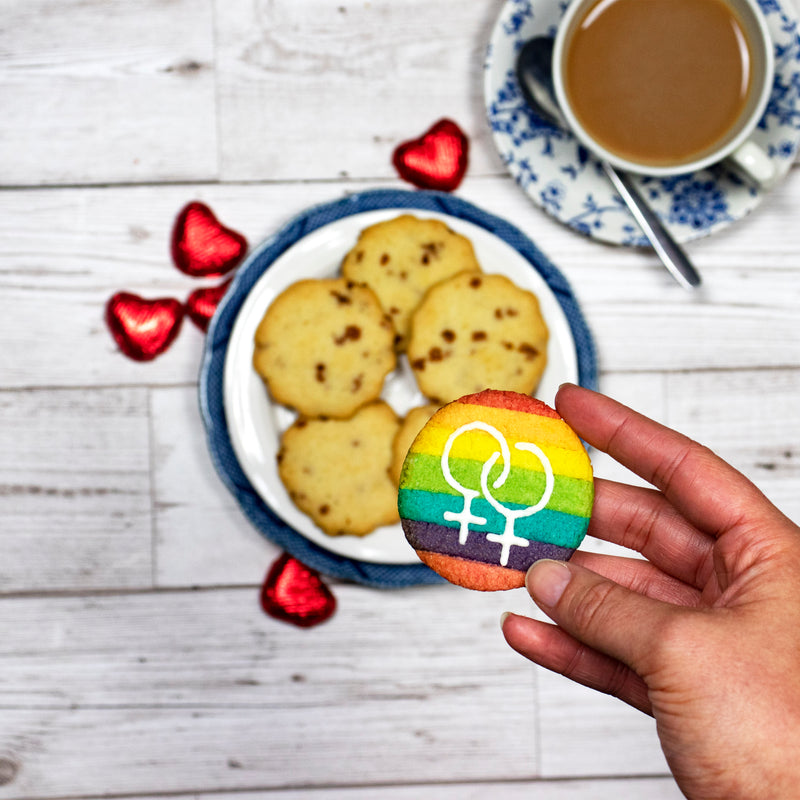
{"type": "Point", "coordinates": [507, 539]}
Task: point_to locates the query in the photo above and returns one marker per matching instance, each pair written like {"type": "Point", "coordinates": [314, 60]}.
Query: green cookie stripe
{"type": "Point", "coordinates": [523, 487]}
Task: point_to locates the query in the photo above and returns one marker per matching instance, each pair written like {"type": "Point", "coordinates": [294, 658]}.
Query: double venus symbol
{"type": "Point", "coordinates": [507, 539]}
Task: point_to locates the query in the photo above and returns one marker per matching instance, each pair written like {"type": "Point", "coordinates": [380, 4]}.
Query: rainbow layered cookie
{"type": "Point", "coordinates": [492, 483]}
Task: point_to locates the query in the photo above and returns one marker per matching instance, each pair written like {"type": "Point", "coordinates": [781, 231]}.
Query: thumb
{"type": "Point", "coordinates": [598, 612]}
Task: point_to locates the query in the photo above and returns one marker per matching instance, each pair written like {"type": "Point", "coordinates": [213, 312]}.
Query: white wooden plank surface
{"type": "Point", "coordinates": [171, 691]}
{"type": "Point", "coordinates": [603, 789]}
{"type": "Point", "coordinates": [317, 89]}
{"type": "Point", "coordinates": [754, 424]}
{"type": "Point", "coordinates": [95, 92]}
{"type": "Point", "coordinates": [75, 501]}
{"type": "Point", "coordinates": [79, 246]}
{"type": "Point", "coordinates": [201, 537]}
{"type": "Point", "coordinates": [592, 734]}
{"type": "Point", "coordinates": [134, 658]}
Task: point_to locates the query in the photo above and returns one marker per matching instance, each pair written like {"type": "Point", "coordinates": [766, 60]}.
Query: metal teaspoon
{"type": "Point", "coordinates": [535, 77]}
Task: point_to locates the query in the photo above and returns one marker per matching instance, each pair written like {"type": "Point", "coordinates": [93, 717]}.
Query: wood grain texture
{"type": "Point", "coordinates": [134, 658]}
{"type": "Point", "coordinates": [75, 501]}
{"type": "Point", "coordinates": [201, 536]}
{"type": "Point", "coordinates": [327, 89]}
{"type": "Point", "coordinates": [598, 789]}
{"type": "Point", "coordinates": [79, 246]}
{"type": "Point", "coordinates": [169, 691]}
{"type": "Point", "coordinates": [754, 425]}
{"type": "Point", "coordinates": [94, 92]}
{"type": "Point", "coordinates": [593, 734]}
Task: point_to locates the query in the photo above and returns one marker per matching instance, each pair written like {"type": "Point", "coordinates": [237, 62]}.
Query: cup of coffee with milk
{"type": "Point", "coordinates": [666, 87]}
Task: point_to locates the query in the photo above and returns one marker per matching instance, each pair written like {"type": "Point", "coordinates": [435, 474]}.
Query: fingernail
{"type": "Point", "coordinates": [546, 581]}
{"type": "Point", "coordinates": [566, 385]}
{"type": "Point", "coordinates": [503, 617]}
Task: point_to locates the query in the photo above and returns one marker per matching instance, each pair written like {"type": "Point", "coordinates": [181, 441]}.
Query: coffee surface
{"type": "Point", "coordinates": [658, 82]}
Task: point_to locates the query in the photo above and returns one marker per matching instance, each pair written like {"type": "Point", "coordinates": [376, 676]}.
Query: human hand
{"type": "Point", "coordinates": [705, 633]}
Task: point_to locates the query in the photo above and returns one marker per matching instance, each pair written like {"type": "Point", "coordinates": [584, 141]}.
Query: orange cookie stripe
{"type": "Point", "coordinates": [463, 573]}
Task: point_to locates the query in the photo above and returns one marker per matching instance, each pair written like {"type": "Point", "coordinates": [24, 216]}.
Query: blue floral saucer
{"type": "Point", "coordinates": [565, 180]}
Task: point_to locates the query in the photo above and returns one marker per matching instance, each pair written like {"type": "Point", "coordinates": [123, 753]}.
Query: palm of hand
{"type": "Point", "coordinates": [717, 678]}
{"type": "Point", "coordinates": [704, 632]}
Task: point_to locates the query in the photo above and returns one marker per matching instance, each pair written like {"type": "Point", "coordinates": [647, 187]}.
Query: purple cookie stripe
{"type": "Point", "coordinates": [429, 537]}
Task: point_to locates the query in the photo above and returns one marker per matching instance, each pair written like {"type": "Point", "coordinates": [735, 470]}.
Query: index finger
{"type": "Point", "coordinates": [710, 493]}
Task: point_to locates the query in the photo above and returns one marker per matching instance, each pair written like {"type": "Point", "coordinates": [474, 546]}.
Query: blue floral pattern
{"type": "Point", "coordinates": [561, 177]}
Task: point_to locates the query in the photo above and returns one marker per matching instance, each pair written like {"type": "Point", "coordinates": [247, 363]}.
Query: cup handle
{"type": "Point", "coordinates": [753, 164]}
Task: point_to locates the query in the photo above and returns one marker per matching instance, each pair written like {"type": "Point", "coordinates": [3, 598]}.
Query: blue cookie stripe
{"type": "Point", "coordinates": [432, 538]}
{"type": "Point", "coordinates": [547, 526]}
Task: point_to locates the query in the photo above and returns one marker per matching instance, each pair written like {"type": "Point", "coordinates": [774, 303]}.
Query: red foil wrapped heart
{"type": "Point", "coordinates": [202, 246]}
{"type": "Point", "coordinates": [143, 329]}
{"type": "Point", "coordinates": [295, 593]}
{"type": "Point", "coordinates": [437, 160]}
{"type": "Point", "coordinates": [202, 303]}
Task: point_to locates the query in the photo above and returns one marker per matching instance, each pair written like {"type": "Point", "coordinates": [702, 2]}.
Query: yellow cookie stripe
{"type": "Point", "coordinates": [479, 446]}
{"type": "Point", "coordinates": [514, 425]}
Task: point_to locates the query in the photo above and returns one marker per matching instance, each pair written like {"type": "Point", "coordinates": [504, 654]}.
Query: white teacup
{"type": "Point", "coordinates": [613, 49]}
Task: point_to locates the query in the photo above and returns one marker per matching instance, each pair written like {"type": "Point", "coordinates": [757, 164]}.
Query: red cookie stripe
{"type": "Point", "coordinates": [510, 400]}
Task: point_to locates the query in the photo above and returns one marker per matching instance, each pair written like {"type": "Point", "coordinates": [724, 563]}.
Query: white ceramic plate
{"type": "Point", "coordinates": [255, 422]}
{"type": "Point", "coordinates": [563, 179]}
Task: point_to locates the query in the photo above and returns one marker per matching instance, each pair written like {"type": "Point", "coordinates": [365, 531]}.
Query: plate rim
{"type": "Point", "coordinates": [212, 389]}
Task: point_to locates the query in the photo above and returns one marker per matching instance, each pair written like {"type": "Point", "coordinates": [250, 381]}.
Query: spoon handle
{"type": "Point", "coordinates": [669, 251]}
